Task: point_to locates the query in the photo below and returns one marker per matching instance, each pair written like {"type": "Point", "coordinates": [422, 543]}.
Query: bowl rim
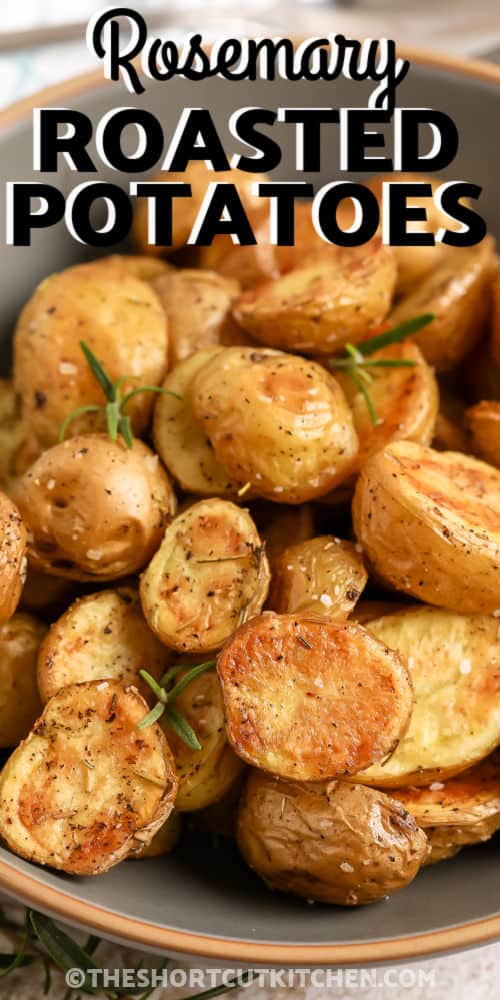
{"type": "Point", "coordinates": [32, 891]}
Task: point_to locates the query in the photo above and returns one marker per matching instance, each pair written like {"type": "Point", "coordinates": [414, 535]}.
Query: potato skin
{"type": "Point", "coordinates": [121, 320]}
{"type": "Point", "coordinates": [13, 561]}
{"type": "Point", "coordinates": [465, 800]}
{"type": "Point", "coordinates": [308, 698]}
{"type": "Point", "coordinates": [19, 699]}
{"type": "Point", "coordinates": [86, 788]}
{"type": "Point", "coordinates": [165, 840]}
{"type": "Point", "coordinates": [483, 422]}
{"type": "Point", "coordinates": [429, 524]}
{"type": "Point", "coordinates": [140, 266]}
{"type": "Point", "coordinates": [101, 636]}
{"type": "Point", "coordinates": [322, 576]}
{"type": "Point", "coordinates": [276, 421]}
{"type": "Point", "coordinates": [209, 575]}
{"type": "Point", "coordinates": [317, 841]}
{"type": "Point", "coordinates": [446, 841]}
{"type": "Point", "coordinates": [94, 508]}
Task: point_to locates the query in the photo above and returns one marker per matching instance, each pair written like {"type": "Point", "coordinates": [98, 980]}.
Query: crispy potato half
{"type": "Point", "coordinates": [277, 422]}
{"type": "Point", "coordinates": [429, 524]}
{"type": "Point", "coordinates": [333, 842]}
{"type": "Point", "coordinates": [13, 561]}
{"type": "Point", "coordinates": [446, 841]}
{"type": "Point", "coordinates": [87, 788]}
{"type": "Point", "coordinates": [20, 702]}
{"type": "Point", "coordinates": [467, 799]}
{"type": "Point", "coordinates": [180, 440]}
{"type": "Point", "coordinates": [454, 663]}
{"type": "Point", "coordinates": [95, 509]}
{"type": "Point", "coordinates": [483, 422]}
{"type": "Point", "coordinates": [209, 575]}
{"type": "Point", "coordinates": [335, 296]}
{"type": "Point", "coordinates": [322, 576]}
{"type": "Point", "coordinates": [100, 636]}
{"type": "Point", "coordinates": [308, 698]}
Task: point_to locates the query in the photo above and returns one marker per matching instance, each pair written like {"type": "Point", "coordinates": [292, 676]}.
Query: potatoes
{"type": "Point", "coordinates": [165, 840]}
{"type": "Point", "coordinates": [335, 296]}
{"type": "Point", "coordinates": [449, 431]}
{"type": "Point", "coordinates": [95, 509]}
{"type": "Point", "coordinates": [121, 319]}
{"type": "Point", "coordinates": [180, 441]}
{"type": "Point", "coordinates": [19, 699]}
{"type": "Point", "coordinates": [429, 524]}
{"type": "Point", "coordinates": [86, 788]}
{"type": "Point", "coordinates": [495, 321]}
{"type": "Point", "coordinates": [13, 562]}
{"type": "Point", "coordinates": [142, 267]}
{"type": "Point", "coordinates": [465, 800]}
{"type": "Point", "coordinates": [278, 524]}
{"type": "Point", "coordinates": [483, 422]}
{"type": "Point", "coordinates": [100, 636]}
{"type": "Point", "coordinates": [454, 663]}
{"type": "Point", "coordinates": [332, 842]}
{"type": "Point", "coordinates": [205, 775]}
{"type": "Point", "coordinates": [445, 841]}
{"type": "Point", "coordinates": [276, 421]}
{"type": "Point", "coordinates": [322, 576]}
{"type": "Point", "coordinates": [209, 575]}
{"type": "Point", "coordinates": [10, 432]}
{"type": "Point", "coordinates": [308, 698]}
{"type": "Point", "coordinates": [457, 292]}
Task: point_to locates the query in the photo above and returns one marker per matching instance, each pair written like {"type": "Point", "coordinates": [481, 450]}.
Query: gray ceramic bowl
{"type": "Point", "coordinates": [202, 899]}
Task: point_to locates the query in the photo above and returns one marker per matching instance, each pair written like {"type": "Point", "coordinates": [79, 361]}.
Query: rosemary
{"type": "Point", "coordinates": [167, 691]}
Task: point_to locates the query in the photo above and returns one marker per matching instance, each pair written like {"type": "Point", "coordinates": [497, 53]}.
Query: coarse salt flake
{"type": "Point", "coordinates": [94, 554]}
{"type": "Point", "coordinates": [67, 368]}
{"type": "Point", "coordinates": [437, 786]}
{"type": "Point", "coordinates": [102, 686]}
{"type": "Point", "coordinates": [326, 600]}
{"type": "Point", "coordinates": [465, 666]}
{"type": "Point", "coordinates": [51, 483]}
{"type": "Point", "coordinates": [346, 867]}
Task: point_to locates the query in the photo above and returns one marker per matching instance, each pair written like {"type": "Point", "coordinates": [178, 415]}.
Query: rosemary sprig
{"type": "Point", "coordinates": [167, 693]}
{"type": "Point", "coordinates": [355, 364]}
{"type": "Point", "coordinates": [117, 421]}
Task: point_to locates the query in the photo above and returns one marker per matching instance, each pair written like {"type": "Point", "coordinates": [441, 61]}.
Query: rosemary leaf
{"type": "Point", "coordinates": [125, 429]}
{"type": "Point", "coordinates": [201, 668]}
{"type": "Point", "coordinates": [366, 395]}
{"type": "Point", "coordinates": [98, 372]}
{"type": "Point", "coordinates": [396, 334]}
{"type": "Point", "coordinates": [152, 716]}
{"type": "Point", "coordinates": [91, 408]}
{"type": "Point", "coordinates": [62, 949]}
{"type": "Point", "coordinates": [150, 388]}
{"type": "Point", "coordinates": [181, 727]}
{"type": "Point", "coordinates": [156, 688]}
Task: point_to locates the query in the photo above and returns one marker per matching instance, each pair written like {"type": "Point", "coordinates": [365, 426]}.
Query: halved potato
{"type": "Point", "coordinates": [165, 840]}
{"type": "Point", "coordinates": [20, 702]}
{"type": "Point", "coordinates": [445, 841]}
{"type": "Point", "coordinates": [100, 636]}
{"type": "Point", "coordinates": [87, 788]}
{"type": "Point", "coordinates": [180, 440]}
{"type": "Point", "coordinates": [429, 524]}
{"type": "Point", "coordinates": [454, 664]}
{"type": "Point", "coordinates": [333, 842]}
{"type": "Point", "coordinates": [483, 421]}
{"type": "Point", "coordinates": [322, 576]}
{"type": "Point", "coordinates": [13, 561]}
{"type": "Point", "coordinates": [467, 799]}
{"type": "Point", "coordinates": [277, 422]}
{"type": "Point", "coordinates": [308, 698]}
{"type": "Point", "coordinates": [209, 575]}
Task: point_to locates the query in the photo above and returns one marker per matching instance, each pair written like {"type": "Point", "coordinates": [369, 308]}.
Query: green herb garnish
{"type": "Point", "coordinates": [167, 692]}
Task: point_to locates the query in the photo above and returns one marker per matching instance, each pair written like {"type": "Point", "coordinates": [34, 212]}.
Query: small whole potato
{"type": "Point", "coordinates": [13, 561]}
{"type": "Point", "coordinates": [95, 509]}
{"type": "Point", "coordinates": [332, 842]}
{"type": "Point", "coordinates": [209, 575]}
{"type": "Point", "coordinates": [321, 576]}
{"type": "Point", "coordinates": [20, 702]}
{"type": "Point", "coordinates": [146, 268]}
{"type": "Point", "coordinates": [277, 422]}
{"type": "Point", "coordinates": [483, 423]}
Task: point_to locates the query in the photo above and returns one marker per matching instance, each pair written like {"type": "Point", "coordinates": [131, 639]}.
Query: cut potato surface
{"type": "Point", "coordinates": [333, 842]}
{"type": "Point", "coordinates": [20, 702]}
{"type": "Point", "coordinates": [209, 575]}
{"type": "Point", "coordinates": [322, 576]}
{"type": "Point", "coordinates": [472, 796]}
{"type": "Point", "coordinates": [429, 524]}
{"type": "Point", "coordinates": [87, 788]}
{"type": "Point", "coordinates": [445, 841]}
{"type": "Point", "coordinates": [309, 698]}
{"type": "Point", "coordinates": [100, 636]}
{"type": "Point", "coordinates": [454, 663]}
{"type": "Point", "coordinates": [483, 422]}
{"type": "Point", "coordinates": [13, 561]}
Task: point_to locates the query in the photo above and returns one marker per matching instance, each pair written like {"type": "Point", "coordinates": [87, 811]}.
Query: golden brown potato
{"type": "Point", "coordinates": [277, 422]}
{"type": "Point", "coordinates": [19, 699]}
{"type": "Point", "coordinates": [495, 321]}
{"type": "Point", "coordinates": [453, 663]}
{"type": "Point", "coordinates": [308, 698]}
{"type": "Point", "coordinates": [13, 561]}
{"type": "Point", "coordinates": [335, 296]}
{"type": "Point", "coordinates": [101, 636]}
{"type": "Point", "coordinates": [366, 611]}
{"type": "Point", "coordinates": [429, 524]}
{"type": "Point", "coordinates": [86, 788]}
{"type": "Point", "coordinates": [165, 840]}
{"type": "Point", "coordinates": [142, 267]}
{"type": "Point", "coordinates": [465, 800]}
{"type": "Point", "coordinates": [458, 293]}
{"type": "Point", "coordinates": [209, 575]}
{"type": "Point", "coordinates": [204, 775]}
{"type": "Point", "coordinates": [333, 842]}
{"type": "Point", "coordinates": [445, 841]}
{"type": "Point", "coordinates": [449, 430]}
{"type": "Point", "coordinates": [322, 576]}
{"type": "Point", "coordinates": [95, 509]}
{"type": "Point", "coordinates": [11, 432]}
{"type": "Point", "coordinates": [122, 321]}
{"type": "Point", "coordinates": [278, 524]}
{"type": "Point", "coordinates": [483, 422]}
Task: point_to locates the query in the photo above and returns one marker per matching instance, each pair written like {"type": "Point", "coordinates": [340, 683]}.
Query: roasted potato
{"type": "Point", "coordinates": [94, 509]}
{"type": "Point", "coordinates": [465, 800]}
{"type": "Point", "coordinates": [458, 293]}
{"type": "Point", "coordinates": [277, 422]}
{"type": "Point", "coordinates": [180, 440]}
{"type": "Point", "coordinates": [483, 422]}
{"type": "Point", "coordinates": [146, 268]}
{"type": "Point", "coordinates": [308, 698]}
{"type": "Point", "coordinates": [11, 433]}
{"type": "Point", "coordinates": [209, 575]}
{"type": "Point", "coordinates": [165, 840]}
{"type": "Point", "coordinates": [333, 842]}
{"type": "Point", "coordinates": [122, 321]}
{"type": "Point", "coordinates": [453, 662]}
{"type": "Point", "coordinates": [429, 524]}
{"type": "Point", "coordinates": [449, 431]}
{"type": "Point", "coordinates": [334, 297]}
{"type": "Point", "coordinates": [19, 699]}
{"type": "Point", "coordinates": [445, 841]}
{"type": "Point", "coordinates": [322, 576]}
{"type": "Point", "coordinates": [277, 524]}
{"type": "Point", "coordinates": [13, 561]}
{"type": "Point", "coordinates": [86, 788]}
{"type": "Point", "coordinates": [495, 321]}
{"type": "Point", "coordinates": [101, 636]}
{"type": "Point", "coordinates": [366, 611]}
